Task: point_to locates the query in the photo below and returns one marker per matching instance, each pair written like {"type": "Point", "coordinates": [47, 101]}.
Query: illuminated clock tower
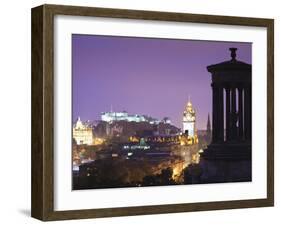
{"type": "Point", "coordinates": [189, 120]}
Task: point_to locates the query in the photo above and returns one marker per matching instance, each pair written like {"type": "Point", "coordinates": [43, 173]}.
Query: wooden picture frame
{"type": "Point", "coordinates": [43, 112]}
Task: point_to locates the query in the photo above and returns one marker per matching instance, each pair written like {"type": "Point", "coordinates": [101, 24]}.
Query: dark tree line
{"type": "Point", "coordinates": [123, 173]}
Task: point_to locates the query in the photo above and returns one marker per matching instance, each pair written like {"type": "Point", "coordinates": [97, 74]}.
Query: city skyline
{"type": "Point", "coordinates": [146, 76]}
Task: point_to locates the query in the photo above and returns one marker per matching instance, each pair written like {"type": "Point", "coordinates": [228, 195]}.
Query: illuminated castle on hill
{"type": "Point", "coordinates": [121, 116]}
{"type": "Point", "coordinates": [189, 120]}
{"type": "Point", "coordinates": [124, 116]}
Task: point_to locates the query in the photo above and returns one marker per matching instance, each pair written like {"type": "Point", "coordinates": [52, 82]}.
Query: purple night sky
{"type": "Point", "coordinates": [146, 75]}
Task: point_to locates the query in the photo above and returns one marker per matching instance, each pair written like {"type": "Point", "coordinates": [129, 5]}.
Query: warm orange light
{"type": "Point", "coordinates": [98, 141]}
{"type": "Point", "coordinates": [133, 139]}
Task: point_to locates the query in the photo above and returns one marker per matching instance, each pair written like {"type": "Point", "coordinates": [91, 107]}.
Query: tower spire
{"type": "Point", "coordinates": [208, 123]}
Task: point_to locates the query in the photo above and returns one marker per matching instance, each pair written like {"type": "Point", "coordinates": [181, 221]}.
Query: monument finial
{"type": "Point", "coordinates": [233, 53]}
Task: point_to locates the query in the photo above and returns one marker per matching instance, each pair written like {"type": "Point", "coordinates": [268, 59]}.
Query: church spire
{"type": "Point", "coordinates": [208, 124]}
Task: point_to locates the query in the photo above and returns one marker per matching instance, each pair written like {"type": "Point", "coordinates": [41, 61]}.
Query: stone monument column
{"type": "Point", "coordinates": [228, 159]}
{"type": "Point", "coordinates": [247, 113]}
{"type": "Point", "coordinates": [233, 114]}
{"type": "Point", "coordinates": [241, 113]}
{"type": "Point", "coordinates": [220, 122]}
{"type": "Point", "coordinates": [215, 113]}
{"type": "Point", "coordinates": [227, 113]}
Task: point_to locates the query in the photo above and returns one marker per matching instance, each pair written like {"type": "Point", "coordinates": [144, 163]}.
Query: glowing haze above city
{"type": "Point", "coordinates": [146, 76]}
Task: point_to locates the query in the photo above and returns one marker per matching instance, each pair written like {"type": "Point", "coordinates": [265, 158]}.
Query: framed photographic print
{"type": "Point", "coordinates": [141, 112]}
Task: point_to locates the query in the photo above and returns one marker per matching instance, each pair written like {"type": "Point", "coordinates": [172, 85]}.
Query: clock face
{"type": "Point", "coordinates": [189, 117]}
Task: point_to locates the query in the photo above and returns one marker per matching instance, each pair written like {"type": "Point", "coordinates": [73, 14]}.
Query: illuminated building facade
{"type": "Point", "coordinates": [189, 120]}
{"type": "Point", "coordinates": [82, 133]}
{"type": "Point", "coordinates": [124, 116]}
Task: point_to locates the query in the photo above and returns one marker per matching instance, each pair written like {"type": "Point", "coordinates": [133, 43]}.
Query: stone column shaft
{"type": "Point", "coordinates": [247, 112]}
{"type": "Point", "coordinates": [220, 115]}
{"type": "Point", "coordinates": [247, 106]}
{"type": "Point", "coordinates": [227, 113]}
{"type": "Point", "coordinates": [233, 114]}
{"type": "Point", "coordinates": [241, 113]}
{"type": "Point", "coordinates": [215, 114]}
